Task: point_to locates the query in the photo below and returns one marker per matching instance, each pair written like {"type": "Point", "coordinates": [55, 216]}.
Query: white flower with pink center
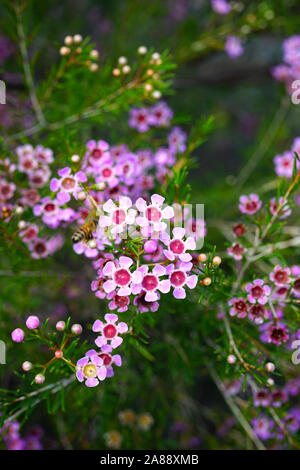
{"type": "Point", "coordinates": [43, 155]}
{"type": "Point", "coordinates": [6, 190]}
{"type": "Point", "coordinates": [67, 184]}
{"type": "Point", "coordinates": [39, 177]}
{"type": "Point", "coordinates": [91, 369]}
{"type": "Point", "coordinates": [250, 204]}
{"type": "Point", "coordinates": [27, 163]}
{"type": "Point", "coordinates": [280, 276]}
{"type": "Point", "coordinates": [151, 283]}
{"type": "Point", "coordinates": [107, 174]}
{"type": "Point", "coordinates": [236, 251]}
{"type": "Point", "coordinates": [177, 246]}
{"type": "Point", "coordinates": [118, 215]}
{"type": "Point", "coordinates": [121, 277]}
{"type": "Point", "coordinates": [258, 291]}
{"type": "Point", "coordinates": [109, 331]}
{"type": "Point", "coordinates": [29, 233]}
{"type": "Point", "coordinates": [153, 214]}
{"type": "Point", "coordinates": [97, 152]}
{"type": "Point", "coordinates": [180, 278]}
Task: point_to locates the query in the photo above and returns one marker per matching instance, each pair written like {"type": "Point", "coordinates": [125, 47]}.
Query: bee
{"type": "Point", "coordinates": [85, 232]}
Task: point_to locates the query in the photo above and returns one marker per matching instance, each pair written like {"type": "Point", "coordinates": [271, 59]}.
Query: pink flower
{"type": "Point", "coordinates": [177, 246]}
{"type": "Point", "coordinates": [68, 184]}
{"type": "Point", "coordinates": [121, 277]}
{"type": "Point", "coordinates": [284, 164]}
{"type": "Point", "coordinates": [109, 359]}
{"type": "Point", "coordinates": [280, 276]}
{"type": "Point", "coordinates": [107, 174]}
{"type": "Point", "coordinates": [153, 213]}
{"type": "Point", "coordinates": [143, 305]}
{"type": "Point", "coordinates": [274, 332]}
{"type": "Point", "coordinates": [262, 398]}
{"type": "Point", "coordinates": [140, 119]}
{"type": "Point", "coordinates": [109, 331]}
{"type": "Point", "coordinates": [39, 177]}
{"type": "Point", "coordinates": [179, 279]}
{"type": "Point", "coordinates": [91, 369]}
{"type": "Point", "coordinates": [257, 313]}
{"type": "Point", "coordinates": [97, 287]}
{"type": "Point", "coordinates": [30, 197]}
{"type": "Point", "coordinates": [39, 248]}
{"type": "Point", "coordinates": [6, 190]}
{"type": "Point", "coordinates": [29, 233]}
{"type": "Point", "coordinates": [258, 292]}
{"type": "Point", "coordinates": [161, 114]}
{"type": "Point", "coordinates": [239, 307]}
{"type": "Point", "coordinates": [150, 283]}
{"type": "Point", "coordinates": [236, 251]}
{"type": "Point", "coordinates": [233, 47]}
{"type": "Point", "coordinates": [97, 152]}
{"type": "Point", "coordinates": [118, 216]}
{"type": "Point", "coordinates": [250, 204]}
{"type": "Point", "coordinates": [221, 7]}
{"type": "Point", "coordinates": [43, 155]}
{"type": "Point", "coordinates": [284, 212]}
{"type": "Point", "coordinates": [118, 302]}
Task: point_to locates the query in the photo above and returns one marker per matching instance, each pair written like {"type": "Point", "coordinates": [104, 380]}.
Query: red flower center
{"type": "Point", "coordinates": [281, 276]}
{"type": "Point", "coordinates": [119, 216]}
{"type": "Point", "coordinates": [121, 301]}
{"type": "Point", "coordinates": [109, 331]}
{"type": "Point", "coordinates": [122, 277]}
{"type": "Point", "coordinates": [106, 173]}
{"type": "Point", "coordinates": [68, 183]}
{"type": "Point", "coordinates": [257, 292]}
{"type": "Point", "coordinates": [177, 278]}
{"type": "Point", "coordinates": [49, 207]}
{"type": "Point", "coordinates": [97, 154]}
{"type": "Point", "coordinates": [106, 359]}
{"type": "Point", "coordinates": [153, 214]}
{"type": "Point", "coordinates": [177, 246]}
{"type": "Point", "coordinates": [150, 282]}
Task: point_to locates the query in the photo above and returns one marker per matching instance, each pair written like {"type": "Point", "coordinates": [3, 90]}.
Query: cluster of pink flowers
{"type": "Point", "coordinates": [289, 70]}
{"type": "Point", "coordinates": [14, 441]}
{"type": "Point", "coordinates": [119, 279]}
{"type": "Point", "coordinates": [96, 366]}
{"type": "Point", "coordinates": [142, 119]}
{"type": "Point", "coordinates": [285, 283]}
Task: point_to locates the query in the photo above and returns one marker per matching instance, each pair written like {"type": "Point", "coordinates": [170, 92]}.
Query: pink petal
{"type": "Point", "coordinates": [117, 360]}
{"type": "Point", "coordinates": [111, 317]}
{"type": "Point", "coordinates": [116, 342]}
{"type": "Point", "coordinates": [179, 293]}
{"type": "Point", "coordinates": [102, 373]}
{"type": "Point", "coordinates": [122, 327]}
{"type": "Point", "coordinates": [97, 326]}
{"type": "Point", "coordinates": [157, 200]}
{"type": "Point", "coordinates": [178, 232]}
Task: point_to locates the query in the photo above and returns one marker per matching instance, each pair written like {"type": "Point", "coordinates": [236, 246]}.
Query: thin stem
{"type": "Point", "coordinates": [27, 71]}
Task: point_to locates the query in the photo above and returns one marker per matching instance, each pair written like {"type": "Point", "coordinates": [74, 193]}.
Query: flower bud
{"type": "Point", "coordinates": [93, 244]}
{"type": "Point", "coordinates": [64, 50]}
{"type": "Point", "coordinates": [94, 54]}
{"type": "Point", "coordinates": [81, 195]}
{"type": "Point", "coordinates": [17, 335]}
{"type": "Point", "coordinates": [77, 38]}
{"type": "Point", "coordinates": [68, 40]}
{"type": "Point", "coordinates": [58, 354]}
{"type": "Point", "coordinates": [32, 322]}
{"type": "Point", "coordinates": [202, 257]}
{"type": "Point", "coordinates": [75, 158]}
{"type": "Point", "coordinates": [270, 367]}
{"type": "Point", "coordinates": [122, 60]}
{"type": "Point", "coordinates": [60, 326]}
{"type": "Point", "coordinates": [22, 224]}
{"type": "Point", "coordinates": [76, 329]}
{"type": "Point", "coordinates": [156, 94]}
{"type": "Point", "coordinates": [217, 260]}
{"type": "Point", "coordinates": [26, 366]}
{"type": "Point", "coordinates": [231, 359]}
{"type": "Point", "coordinates": [39, 379]}
{"type": "Point", "coordinates": [116, 72]}
{"type": "Point", "coordinates": [207, 281]}
{"type": "Point", "coordinates": [142, 50]}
